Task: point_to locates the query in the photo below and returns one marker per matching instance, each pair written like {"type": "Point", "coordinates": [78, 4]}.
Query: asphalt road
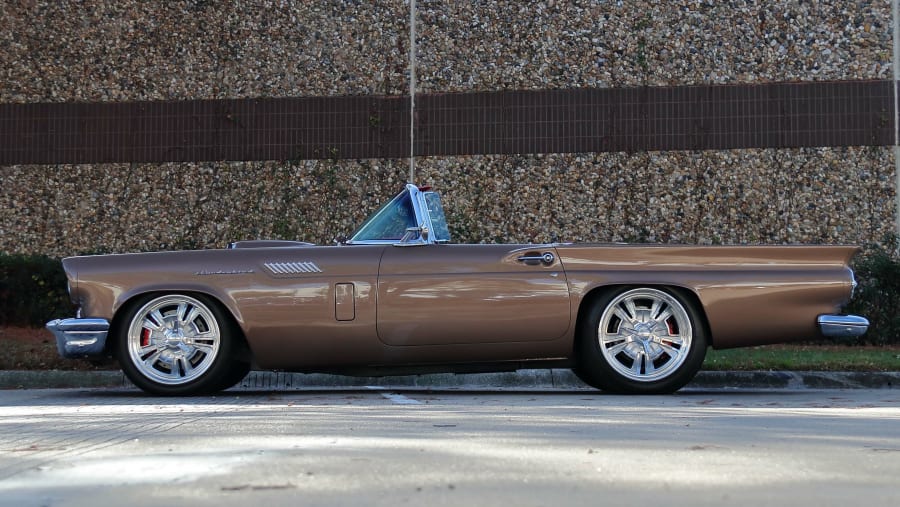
{"type": "Point", "coordinates": [445, 447]}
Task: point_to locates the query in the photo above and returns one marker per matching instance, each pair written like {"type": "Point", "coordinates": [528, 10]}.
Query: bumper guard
{"type": "Point", "coordinates": [79, 337]}
{"type": "Point", "coordinates": [843, 326]}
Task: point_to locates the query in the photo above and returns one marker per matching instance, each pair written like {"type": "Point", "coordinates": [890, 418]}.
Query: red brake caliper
{"type": "Point", "coordinates": [145, 337]}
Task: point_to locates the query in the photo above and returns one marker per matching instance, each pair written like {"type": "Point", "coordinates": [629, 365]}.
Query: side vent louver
{"type": "Point", "coordinates": [291, 268]}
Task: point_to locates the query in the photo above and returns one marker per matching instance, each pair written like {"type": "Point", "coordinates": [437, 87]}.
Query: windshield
{"type": "Point", "coordinates": [390, 222]}
{"type": "Point", "coordinates": [440, 233]}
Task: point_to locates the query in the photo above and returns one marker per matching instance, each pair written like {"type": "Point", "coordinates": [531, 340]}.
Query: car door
{"type": "Point", "coordinates": [310, 306]}
{"type": "Point", "coordinates": [466, 294]}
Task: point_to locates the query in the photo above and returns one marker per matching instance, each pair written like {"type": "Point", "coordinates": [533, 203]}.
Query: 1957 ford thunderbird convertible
{"type": "Point", "coordinates": [399, 298]}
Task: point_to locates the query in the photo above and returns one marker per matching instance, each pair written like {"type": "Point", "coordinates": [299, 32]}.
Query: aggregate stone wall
{"type": "Point", "coordinates": [708, 197]}
{"type": "Point", "coordinates": [742, 196]}
{"type": "Point", "coordinates": [115, 50]}
{"type": "Point", "coordinates": [101, 50]}
{"type": "Point", "coordinates": [64, 210]}
{"type": "Point", "coordinates": [500, 44]}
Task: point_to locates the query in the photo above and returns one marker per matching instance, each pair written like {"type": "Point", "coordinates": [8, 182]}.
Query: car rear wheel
{"type": "Point", "coordinates": [176, 344]}
{"type": "Point", "coordinates": [643, 340]}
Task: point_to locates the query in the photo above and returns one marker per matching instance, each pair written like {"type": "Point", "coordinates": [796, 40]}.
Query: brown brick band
{"type": "Point", "coordinates": [201, 130]}
{"type": "Point", "coordinates": [845, 113]}
{"type": "Point", "coordinates": [849, 113]}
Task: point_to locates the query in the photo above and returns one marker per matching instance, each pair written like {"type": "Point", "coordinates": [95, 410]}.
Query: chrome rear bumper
{"type": "Point", "coordinates": [844, 326]}
{"type": "Point", "coordinates": [79, 337]}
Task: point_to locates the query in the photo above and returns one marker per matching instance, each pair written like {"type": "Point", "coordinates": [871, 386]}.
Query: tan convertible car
{"type": "Point", "coordinates": [398, 297]}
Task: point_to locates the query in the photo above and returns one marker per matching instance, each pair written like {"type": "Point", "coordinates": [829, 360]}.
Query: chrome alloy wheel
{"type": "Point", "coordinates": [645, 334]}
{"type": "Point", "coordinates": [173, 339]}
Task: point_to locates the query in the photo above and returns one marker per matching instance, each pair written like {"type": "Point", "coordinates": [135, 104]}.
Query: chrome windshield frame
{"type": "Point", "coordinates": [424, 223]}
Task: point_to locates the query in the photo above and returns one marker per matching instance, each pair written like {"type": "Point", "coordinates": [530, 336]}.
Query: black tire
{"type": "Point", "coordinates": [640, 340]}
{"type": "Point", "coordinates": [235, 375]}
{"type": "Point", "coordinates": [177, 345]}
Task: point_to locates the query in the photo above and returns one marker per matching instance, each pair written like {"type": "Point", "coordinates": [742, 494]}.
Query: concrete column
{"type": "Point", "coordinates": [895, 15]}
{"type": "Point", "coordinates": [412, 90]}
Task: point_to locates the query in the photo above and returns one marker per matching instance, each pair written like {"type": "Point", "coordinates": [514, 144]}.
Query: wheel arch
{"type": "Point", "coordinates": [595, 293]}
{"type": "Point", "coordinates": [128, 303]}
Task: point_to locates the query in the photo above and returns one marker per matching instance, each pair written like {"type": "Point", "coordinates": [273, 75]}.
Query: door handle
{"type": "Point", "coordinates": [546, 258]}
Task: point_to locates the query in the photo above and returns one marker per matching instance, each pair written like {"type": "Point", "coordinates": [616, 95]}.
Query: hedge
{"type": "Point", "coordinates": [878, 294]}
{"type": "Point", "coordinates": [32, 290]}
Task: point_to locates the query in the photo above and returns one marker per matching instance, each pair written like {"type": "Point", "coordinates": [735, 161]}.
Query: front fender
{"type": "Point", "coordinates": [223, 296]}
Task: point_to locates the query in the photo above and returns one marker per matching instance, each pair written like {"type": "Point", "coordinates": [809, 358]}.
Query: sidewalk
{"type": "Point", "coordinates": [522, 379]}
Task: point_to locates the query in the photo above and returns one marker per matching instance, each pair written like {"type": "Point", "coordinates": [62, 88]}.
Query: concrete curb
{"type": "Point", "coordinates": [522, 379]}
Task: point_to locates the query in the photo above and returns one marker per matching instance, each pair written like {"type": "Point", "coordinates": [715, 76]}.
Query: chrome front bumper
{"type": "Point", "coordinates": [842, 326]}
{"type": "Point", "coordinates": [79, 337]}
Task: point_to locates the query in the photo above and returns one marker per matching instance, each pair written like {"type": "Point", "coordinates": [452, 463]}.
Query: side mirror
{"type": "Point", "coordinates": [414, 236]}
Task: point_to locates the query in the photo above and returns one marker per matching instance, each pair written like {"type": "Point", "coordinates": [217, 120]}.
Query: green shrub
{"type": "Point", "coordinates": [32, 290]}
{"type": "Point", "coordinates": [878, 295]}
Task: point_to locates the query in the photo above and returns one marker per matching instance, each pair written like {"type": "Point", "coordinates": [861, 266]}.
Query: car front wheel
{"type": "Point", "coordinates": [643, 340]}
{"type": "Point", "coordinates": [176, 344]}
